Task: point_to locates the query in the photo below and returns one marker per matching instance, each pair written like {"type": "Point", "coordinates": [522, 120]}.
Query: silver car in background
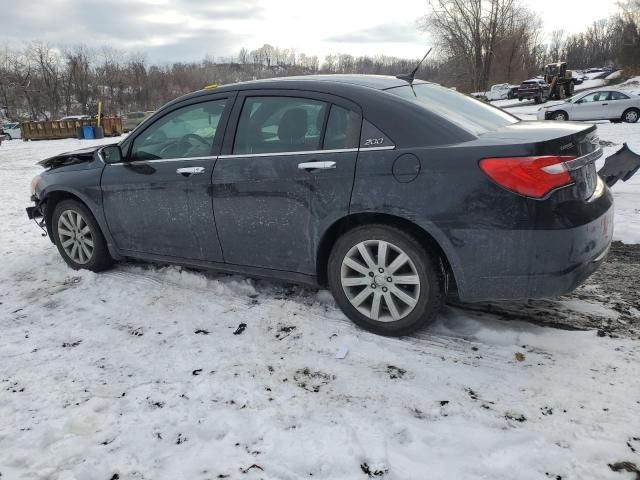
{"type": "Point", "coordinates": [604, 104]}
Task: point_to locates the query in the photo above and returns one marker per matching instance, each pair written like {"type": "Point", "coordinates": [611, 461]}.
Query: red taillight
{"type": "Point", "coordinates": [530, 176]}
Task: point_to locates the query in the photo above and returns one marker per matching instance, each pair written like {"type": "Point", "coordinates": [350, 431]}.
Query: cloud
{"type": "Point", "coordinates": [385, 33]}
{"type": "Point", "coordinates": [179, 30]}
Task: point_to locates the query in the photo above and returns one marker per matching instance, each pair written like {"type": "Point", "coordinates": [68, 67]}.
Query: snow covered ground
{"type": "Point", "coordinates": [136, 373]}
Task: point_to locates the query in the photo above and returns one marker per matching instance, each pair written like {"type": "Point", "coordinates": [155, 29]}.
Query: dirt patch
{"type": "Point", "coordinates": [311, 380]}
{"type": "Point", "coordinates": [608, 301]}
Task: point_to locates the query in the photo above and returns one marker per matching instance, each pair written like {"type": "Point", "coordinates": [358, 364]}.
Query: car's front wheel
{"type": "Point", "coordinates": [385, 280]}
{"type": "Point", "coordinates": [631, 115]}
{"type": "Point", "coordinates": [561, 116]}
{"type": "Point", "coordinates": [78, 237]}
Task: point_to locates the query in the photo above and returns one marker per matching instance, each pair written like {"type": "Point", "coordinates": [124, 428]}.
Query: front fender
{"type": "Point", "coordinates": [83, 185]}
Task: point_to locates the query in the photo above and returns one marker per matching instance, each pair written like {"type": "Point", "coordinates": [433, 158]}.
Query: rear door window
{"type": "Point", "coordinates": [343, 129]}
{"type": "Point", "coordinates": [618, 96]}
{"type": "Point", "coordinates": [279, 125]}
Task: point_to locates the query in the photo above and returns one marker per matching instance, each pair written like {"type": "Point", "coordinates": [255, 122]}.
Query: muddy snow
{"type": "Point", "coordinates": [155, 372]}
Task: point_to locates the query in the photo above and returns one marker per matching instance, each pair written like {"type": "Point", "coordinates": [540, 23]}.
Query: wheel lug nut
{"type": "Point", "coordinates": [371, 274]}
{"type": "Point", "coordinates": [373, 285]}
{"type": "Point", "coordinates": [381, 270]}
{"type": "Point", "coordinates": [389, 279]}
{"type": "Point", "coordinates": [384, 289]}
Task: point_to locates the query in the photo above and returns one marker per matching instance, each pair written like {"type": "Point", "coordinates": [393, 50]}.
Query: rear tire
{"type": "Point", "coordinates": [631, 115]}
{"type": "Point", "coordinates": [395, 287]}
{"type": "Point", "coordinates": [78, 237]}
{"type": "Point", "coordinates": [8, 136]}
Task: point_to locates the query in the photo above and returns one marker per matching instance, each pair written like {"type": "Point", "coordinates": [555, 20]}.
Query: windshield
{"type": "Point", "coordinates": [576, 97]}
{"type": "Point", "coordinates": [468, 113]}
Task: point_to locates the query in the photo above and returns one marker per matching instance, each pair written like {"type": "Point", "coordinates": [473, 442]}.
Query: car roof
{"type": "Point", "coordinates": [379, 82]}
{"type": "Point", "coordinates": [311, 82]}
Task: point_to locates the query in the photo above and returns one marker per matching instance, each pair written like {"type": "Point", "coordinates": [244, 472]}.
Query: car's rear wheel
{"type": "Point", "coordinates": [385, 280]}
{"type": "Point", "coordinates": [78, 237]}
{"type": "Point", "coordinates": [631, 115]}
{"type": "Point", "coordinates": [8, 136]}
{"type": "Point", "coordinates": [561, 116]}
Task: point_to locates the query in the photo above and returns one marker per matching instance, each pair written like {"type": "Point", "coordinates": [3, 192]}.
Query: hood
{"type": "Point", "coordinates": [84, 155]}
{"type": "Point", "coordinates": [554, 104]}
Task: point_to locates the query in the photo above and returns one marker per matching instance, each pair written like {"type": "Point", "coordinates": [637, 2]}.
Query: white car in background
{"type": "Point", "coordinates": [11, 130]}
{"type": "Point", "coordinates": [500, 91]}
{"type": "Point", "coordinates": [601, 104]}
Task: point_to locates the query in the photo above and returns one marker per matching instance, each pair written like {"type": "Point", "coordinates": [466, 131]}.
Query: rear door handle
{"type": "Point", "coordinates": [605, 104]}
{"type": "Point", "coordinates": [316, 165]}
{"type": "Point", "coordinates": [188, 171]}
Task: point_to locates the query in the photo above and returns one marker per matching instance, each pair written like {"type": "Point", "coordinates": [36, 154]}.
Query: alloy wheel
{"type": "Point", "coordinates": [631, 116]}
{"type": "Point", "coordinates": [75, 236]}
{"type": "Point", "coordinates": [380, 280]}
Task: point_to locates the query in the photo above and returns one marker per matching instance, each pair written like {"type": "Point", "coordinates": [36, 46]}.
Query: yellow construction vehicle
{"type": "Point", "coordinates": [560, 80]}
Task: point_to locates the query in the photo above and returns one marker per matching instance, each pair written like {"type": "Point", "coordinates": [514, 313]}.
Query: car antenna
{"type": "Point", "coordinates": [409, 77]}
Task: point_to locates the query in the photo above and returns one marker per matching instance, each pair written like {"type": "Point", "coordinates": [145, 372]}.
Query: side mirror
{"type": "Point", "coordinates": [111, 153]}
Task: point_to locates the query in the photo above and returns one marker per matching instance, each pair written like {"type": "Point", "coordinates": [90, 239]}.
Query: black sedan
{"type": "Point", "coordinates": [392, 193]}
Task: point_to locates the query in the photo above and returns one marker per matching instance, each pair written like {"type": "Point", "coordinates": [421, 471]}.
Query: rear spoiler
{"type": "Point", "coordinates": [622, 165]}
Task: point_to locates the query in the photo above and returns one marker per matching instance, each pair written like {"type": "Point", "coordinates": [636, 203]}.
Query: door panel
{"type": "Point", "coordinates": [270, 210]}
{"type": "Point", "coordinates": [158, 201]}
{"type": "Point", "coordinates": [150, 208]}
{"type": "Point", "coordinates": [262, 209]}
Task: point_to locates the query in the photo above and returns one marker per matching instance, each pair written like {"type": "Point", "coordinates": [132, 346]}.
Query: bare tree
{"type": "Point", "coordinates": [470, 31]}
{"type": "Point", "coordinates": [556, 47]}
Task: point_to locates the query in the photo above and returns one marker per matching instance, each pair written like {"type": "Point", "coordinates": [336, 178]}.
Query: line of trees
{"type": "Point", "coordinates": [479, 42]}
{"type": "Point", "coordinates": [491, 41]}
{"type": "Point", "coordinates": [43, 82]}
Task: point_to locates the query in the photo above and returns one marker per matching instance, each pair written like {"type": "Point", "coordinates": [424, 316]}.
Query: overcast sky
{"type": "Point", "coordinates": [172, 30]}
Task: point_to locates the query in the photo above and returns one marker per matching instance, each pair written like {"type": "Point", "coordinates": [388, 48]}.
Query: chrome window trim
{"type": "Point", "coordinates": [280, 154]}
{"type": "Point", "coordinates": [246, 155]}
{"type": "Point", "coordinates": [163, 160]}
{"type": "Point", "coordinates": [305, 152]}
{"type": "Point", "coordinates": [386, 147]}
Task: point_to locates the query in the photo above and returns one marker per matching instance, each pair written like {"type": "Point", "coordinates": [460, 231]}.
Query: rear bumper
{"type": "Point", "coordinates": [529, 94]}
{"type": "Point", "coordinates": [507, 265]}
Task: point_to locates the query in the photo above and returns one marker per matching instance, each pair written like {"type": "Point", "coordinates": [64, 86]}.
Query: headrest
{"type": "Point", "coordinates": [293, 125]}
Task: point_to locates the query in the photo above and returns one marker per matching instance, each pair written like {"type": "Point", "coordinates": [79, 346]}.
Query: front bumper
{"type": "Point", "coordinates": [36, 213]}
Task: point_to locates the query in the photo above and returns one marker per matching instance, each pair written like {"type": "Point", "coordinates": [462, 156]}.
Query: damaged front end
{"type": "Point", "coordinates": [37, 213]}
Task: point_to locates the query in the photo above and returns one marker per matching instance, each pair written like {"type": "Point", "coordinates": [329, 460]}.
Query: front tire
{"type": "Point", "coordinates": [78, 237]}
{"type": "Point", "coordinates": [560, 116]}
{"type": "Point", "coordinates": [631, 115]}
{"type": "Point", "coordinates": [384, 280]}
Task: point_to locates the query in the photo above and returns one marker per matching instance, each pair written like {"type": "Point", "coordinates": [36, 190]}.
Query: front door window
{"type": "Point", "coordinates": [187, 132]}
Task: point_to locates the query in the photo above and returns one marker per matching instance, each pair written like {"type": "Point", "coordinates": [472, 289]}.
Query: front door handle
{"type": "Point", "coordinates": [188, 171]}
{"type": "Point", "coordinates": [605, 104]}
{"type": "Point", "coordinates": [316, 165]}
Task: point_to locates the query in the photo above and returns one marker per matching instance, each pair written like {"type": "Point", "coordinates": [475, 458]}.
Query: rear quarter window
{"type": "Point", "coordinates": [474, 116]}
